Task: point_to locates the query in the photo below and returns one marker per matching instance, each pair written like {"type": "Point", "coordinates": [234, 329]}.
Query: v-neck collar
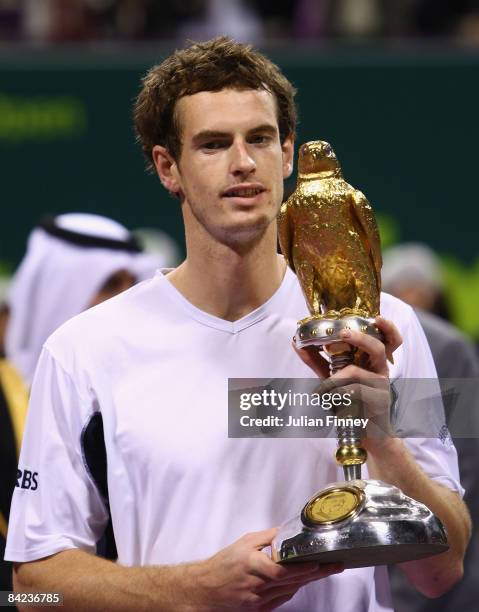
{"type": "Point", "coordinates": [232, 327]}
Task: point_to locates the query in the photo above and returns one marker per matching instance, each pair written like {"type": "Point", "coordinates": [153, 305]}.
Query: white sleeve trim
{"type": "Point", "coordinates": [40, 552]}
{"type": "Point", "coordinates": [449, 483]}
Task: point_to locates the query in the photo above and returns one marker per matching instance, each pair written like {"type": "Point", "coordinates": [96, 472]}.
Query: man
{"type": "Point", "coordinates": [191, 508]}
{"type": "Point", "coordinates": [73, 261]}
{"type": "Point", "coordinates": [412, 272]}
{"type": "Point", "coordinates": [455, 359]}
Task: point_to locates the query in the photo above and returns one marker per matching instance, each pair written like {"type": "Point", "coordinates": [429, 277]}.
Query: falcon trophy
{"type": "Point", "coordinates": [329, 237]}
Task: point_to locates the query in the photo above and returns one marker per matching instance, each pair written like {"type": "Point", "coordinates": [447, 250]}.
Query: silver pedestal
{"type": "Point", "coordinates": [387, 527]}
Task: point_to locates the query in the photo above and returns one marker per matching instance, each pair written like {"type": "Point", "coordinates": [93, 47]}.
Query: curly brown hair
{"type": "Point", "coordinates": [210, 66]}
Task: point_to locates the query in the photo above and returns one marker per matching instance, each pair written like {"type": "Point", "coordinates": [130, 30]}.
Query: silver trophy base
{"type": "Point", "coordinates": [318, 331]}
{"type": "Point", "coordinates": [386, 527]}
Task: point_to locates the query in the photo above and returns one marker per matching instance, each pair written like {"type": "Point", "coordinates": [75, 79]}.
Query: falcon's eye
{"type": "Point", "coordinates": [327, 149]}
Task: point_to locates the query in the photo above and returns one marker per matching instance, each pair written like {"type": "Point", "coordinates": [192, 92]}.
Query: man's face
{"type": "Point", "coordinates": [232, 164]}
{"type": "Point", "coordinates": [114, 284]}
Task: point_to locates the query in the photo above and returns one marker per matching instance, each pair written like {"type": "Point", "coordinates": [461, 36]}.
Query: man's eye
{"type": "Point", "coordinates": [216, 144]}
{"type": "Point", "coordinates": [260, 139]}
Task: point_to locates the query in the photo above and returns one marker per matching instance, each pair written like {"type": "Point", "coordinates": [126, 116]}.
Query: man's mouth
{"type": "Point", "coordinates": [243, 192]}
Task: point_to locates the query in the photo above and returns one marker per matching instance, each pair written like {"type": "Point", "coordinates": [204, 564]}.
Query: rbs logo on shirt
{"type": "Point", "coordinates": [27, 480]}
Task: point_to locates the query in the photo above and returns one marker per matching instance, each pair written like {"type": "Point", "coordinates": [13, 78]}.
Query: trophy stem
{"type": "Point", "coordinates": [340, 361]}
{"type": "Point", "coordinates": [350, 454]}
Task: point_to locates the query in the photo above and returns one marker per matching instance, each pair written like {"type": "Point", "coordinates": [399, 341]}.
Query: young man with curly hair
{"type": "Point", "coordinates": [191, 508]}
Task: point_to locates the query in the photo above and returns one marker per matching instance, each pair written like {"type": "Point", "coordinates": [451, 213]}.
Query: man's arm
{"type": "Point", "coordinates": [238, 577]}
{"type": "Point", "coordinates": [390, 460]}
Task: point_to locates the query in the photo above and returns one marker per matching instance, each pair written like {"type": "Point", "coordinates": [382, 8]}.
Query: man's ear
{"type": "Point", "coordinates": [288, 156]}
{"type": "Point", "coordinates": [166, 168]}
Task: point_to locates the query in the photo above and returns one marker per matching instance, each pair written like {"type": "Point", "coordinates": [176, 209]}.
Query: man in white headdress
{"type": "Point", "coordinates": [72, 262]}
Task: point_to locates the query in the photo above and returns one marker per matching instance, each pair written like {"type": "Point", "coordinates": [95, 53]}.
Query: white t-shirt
{"type": "Point", "coordinates": [157, 368]}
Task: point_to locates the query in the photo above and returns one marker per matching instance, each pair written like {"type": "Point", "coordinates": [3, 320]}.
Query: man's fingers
{"type": "Point", "coordinates": [374, 349]}
{"type": "Point", "coordinates": [260, 539]}
{"type": "Point", "coordinates": [392, 337]}
{"type": "Point", "coordinates": [297, 572]}
{"type": "Point", "coordinates": [265, 567]}
{"type": "Point", "coordinates": [292, 584]}
{"type": "Point", "coordinates": [311, 356]}
{"type": "Point", "coordinates": [321, 570]}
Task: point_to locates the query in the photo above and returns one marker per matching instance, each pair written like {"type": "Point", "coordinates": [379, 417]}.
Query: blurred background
{"type": "Point", "coordinates": [391, 84]}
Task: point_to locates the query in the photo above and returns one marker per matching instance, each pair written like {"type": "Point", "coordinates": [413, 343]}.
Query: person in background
{"type": "Point", "coordinates": [73, 262]}
{"type": "Point", "coordinates": [159, 251]}
{"type": "Point", "coordinates": [412, 273]}
{"type": "Point", "coordinates": [235, 18]}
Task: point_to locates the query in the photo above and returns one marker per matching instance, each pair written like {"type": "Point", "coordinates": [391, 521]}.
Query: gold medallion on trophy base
{"type": "Point", "coordinates": [333, 505]}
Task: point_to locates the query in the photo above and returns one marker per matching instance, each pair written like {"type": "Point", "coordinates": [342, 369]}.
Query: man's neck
{"type": "Point", "coordinates": [229, 285]}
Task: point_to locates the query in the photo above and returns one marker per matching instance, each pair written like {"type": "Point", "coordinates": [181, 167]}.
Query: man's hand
{"type": "Point", "coordinates": [432, 576]}
{"type": "Point", "coordinates": [241, 577]}
{"type": "Point", "coordinates": [368, 382]}
{"type": "Point", "coordinates": [374, 353]}
{"type": "Point", "coordinates": [238, 577]}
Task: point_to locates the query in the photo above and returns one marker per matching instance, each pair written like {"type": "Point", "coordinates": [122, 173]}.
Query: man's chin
{"type": "Point", "coordinates": [246, 230]}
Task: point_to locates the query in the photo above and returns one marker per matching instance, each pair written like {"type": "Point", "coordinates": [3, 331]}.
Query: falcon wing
{"type": "Point", "coordinates": [363, 212]}
{"type": "Point", "coordinates": [285, 234]}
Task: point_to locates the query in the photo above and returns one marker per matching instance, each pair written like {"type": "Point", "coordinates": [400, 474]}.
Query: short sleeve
{"type": "Point", "coordinates": [56, 505]}
{"type": "Point", "coordinates": [420, 406]}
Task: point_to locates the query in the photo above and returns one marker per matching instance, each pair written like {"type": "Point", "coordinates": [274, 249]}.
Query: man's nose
{"type": "Point", "coordinates": [242, 161]}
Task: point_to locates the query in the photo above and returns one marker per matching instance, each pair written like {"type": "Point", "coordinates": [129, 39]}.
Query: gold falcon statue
{"type": "Point", "coordinates": [329, 237]}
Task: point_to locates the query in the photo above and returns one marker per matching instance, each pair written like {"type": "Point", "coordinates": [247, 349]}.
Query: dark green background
{"type": "Point", "coordinates": [403, 122]}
